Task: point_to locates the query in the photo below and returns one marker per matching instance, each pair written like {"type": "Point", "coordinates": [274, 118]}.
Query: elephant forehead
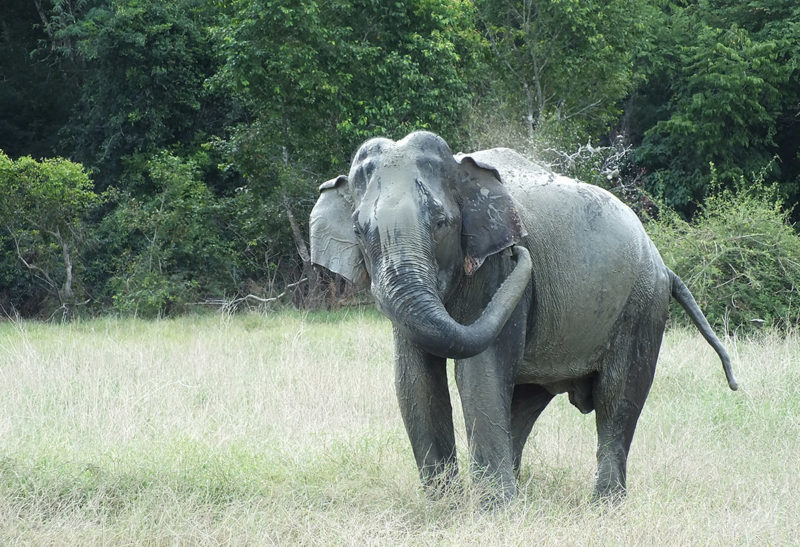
{"type": "Point", "coordinates": [360, 174]}
{"type": "Point", "coordinates": [372, 148]}
{"type": "Point", "coordinates": [398, 205]}
{"type": "Point", "coordinates": [395, 214]}
{"type": "Point", "coordinates": [409, 187]}
{"type": "Point", "coordinates": [425, 141]}
{"type": "Point", "coordinates": [419, 151]}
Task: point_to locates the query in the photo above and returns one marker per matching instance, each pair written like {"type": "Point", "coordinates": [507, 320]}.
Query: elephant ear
{"type": "Point", "coordinates": [489, 219]}
{"type": "Point", "coordinates": [333, 243]}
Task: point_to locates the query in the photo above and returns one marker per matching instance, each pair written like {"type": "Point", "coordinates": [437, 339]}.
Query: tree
{"type": "Point", "coordinates": [42, 216]}
{"type": "Point", "coordinates": [740, 255]}
{"type": "Point", "coordinates": [145, 63]}
{"type": "Point", "coordinates": [777, 22]}
{"type": "Point", "coordinates": [721, 94]}
{"type": "Point", "coordinates": [35, 95]}
{"type": "Point", "coordinates": [171, 246]}
{"type": "Point", "coordinates": [320, 77]}
{"type": "Point", "coordinates": [565, 60]}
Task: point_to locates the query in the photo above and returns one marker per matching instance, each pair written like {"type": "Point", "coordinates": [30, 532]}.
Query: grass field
{"type": "Point", "coordinates": [283, 429]}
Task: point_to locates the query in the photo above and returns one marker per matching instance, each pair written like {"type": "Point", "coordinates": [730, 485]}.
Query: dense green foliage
{"type": "Point", "coordinates": [42, 216]}
{"type": "Point", "coordinates": [142, 88]}
{"type": "Point", "coordinates": [35, 99]}
{"type": "Point", "coordinates": [320, 77]}
{"type": "Point", "coordinates": [569, 62]}
{"type": "Point", "coordinates": [723, 86]}
{"type": "Point", "coordinates": [740, 256]}
{"type": "Point", "coordinates": [175, 247]}
{"type": "Point", "coordinates": [197, 131]}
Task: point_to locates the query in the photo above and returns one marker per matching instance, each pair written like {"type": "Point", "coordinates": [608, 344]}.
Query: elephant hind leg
{"type": "Point", "coordinates": [527, 403]}
{"type": "Point", "coordinates": [619, 394]}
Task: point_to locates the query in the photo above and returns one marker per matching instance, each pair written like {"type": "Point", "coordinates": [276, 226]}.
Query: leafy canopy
{"type": "Point", "coordinates": [145, 65]}
{"type": "Point", "coordinates": [319, 77]}
{"type": "Point", "coordinates": [723, 84]}
{"type": "Point", "coordinates": [566, 59]}
{"type": "Point", "coordinates": [43, 210]}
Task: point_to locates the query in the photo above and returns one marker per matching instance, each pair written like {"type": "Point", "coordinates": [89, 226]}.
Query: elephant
{"type": "Point", "coordinates": [535, 284]}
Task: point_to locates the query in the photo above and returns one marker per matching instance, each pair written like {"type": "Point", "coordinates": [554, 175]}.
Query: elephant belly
{"type": "Point", "coordinates": [562, 371]}
{"type": "Point", "coordinates": [581, 328]}
{"type": "Point", "coordinates": [595, 271]}
{"type": "Point", "coordinates": [557, 372]}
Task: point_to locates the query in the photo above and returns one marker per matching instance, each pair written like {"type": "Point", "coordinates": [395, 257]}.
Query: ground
{"type": "Point", "coordinates": [283, 428]}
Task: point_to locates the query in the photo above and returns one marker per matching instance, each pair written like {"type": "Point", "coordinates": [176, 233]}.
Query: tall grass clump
{"type": "Point", "coordinates": [740, 256]}
{"type": "Point", "coordinates": [284, 429]}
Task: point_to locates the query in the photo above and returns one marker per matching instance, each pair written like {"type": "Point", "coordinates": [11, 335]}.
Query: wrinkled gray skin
{"type": "Point", "coordinates": [534, 283]}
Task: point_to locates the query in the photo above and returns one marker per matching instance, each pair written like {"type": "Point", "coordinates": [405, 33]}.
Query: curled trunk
{"type": "Point", "coordinates": [411, 302]}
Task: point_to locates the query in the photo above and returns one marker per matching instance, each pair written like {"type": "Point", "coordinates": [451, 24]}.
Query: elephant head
{"type": "Point", "coordinates": [413, 220]}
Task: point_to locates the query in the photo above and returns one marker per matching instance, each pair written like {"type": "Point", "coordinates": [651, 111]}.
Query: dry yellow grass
{"type": "Point", "coordinates": [284, 429]}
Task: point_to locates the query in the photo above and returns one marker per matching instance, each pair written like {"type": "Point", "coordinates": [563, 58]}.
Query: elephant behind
{"type": "Point", "coordinates": [534, 283]}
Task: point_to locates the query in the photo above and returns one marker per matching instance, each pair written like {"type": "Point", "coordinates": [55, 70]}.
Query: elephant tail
{"type": "Point", "coordinates": [681, 293]}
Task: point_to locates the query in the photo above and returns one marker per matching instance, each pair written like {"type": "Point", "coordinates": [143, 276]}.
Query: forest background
{"type": "Point", "coordinates": [158, 157]}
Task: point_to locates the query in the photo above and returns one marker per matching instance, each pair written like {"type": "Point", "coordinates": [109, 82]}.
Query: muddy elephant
{"type": "Point", "coordinates": [534, 283]}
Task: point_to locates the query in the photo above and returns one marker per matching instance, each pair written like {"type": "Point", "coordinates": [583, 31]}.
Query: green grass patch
{"type": "Point", "coordinates": [284, 428]}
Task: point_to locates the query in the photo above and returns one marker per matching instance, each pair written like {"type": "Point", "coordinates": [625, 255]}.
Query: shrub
{"type": "Point", "coordinates": [740, 257]}
{"type": "Point", "coordinates": [170, 246]}
{"type": "Point", "coordinates": [43, 208]}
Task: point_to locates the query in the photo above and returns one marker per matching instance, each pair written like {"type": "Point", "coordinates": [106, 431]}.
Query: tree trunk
{"type": "Point", "coordinates": [302, 249]}
{"type": "Point", "coordinates": [66, 290]}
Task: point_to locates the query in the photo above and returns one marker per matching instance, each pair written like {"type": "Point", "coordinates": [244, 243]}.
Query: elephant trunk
{"type": "Point", "coordinates": [410, 300]}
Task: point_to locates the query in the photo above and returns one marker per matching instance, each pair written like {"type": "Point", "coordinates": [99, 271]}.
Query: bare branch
{"type": "Point", "coordinates": [43, 17]}
{"type": "Point", "coordinates": [228, 306]}
{"type": "Point", "coordinates": [33, 267]}
{"type": "Point", "coordinates": [299, 241]}
{"type": "Point", "coordinates": [582, 110]}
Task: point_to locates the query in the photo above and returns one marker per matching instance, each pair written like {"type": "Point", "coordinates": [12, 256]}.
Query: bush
{"type": "Point", "coordinates": [43, 208]}
{"type": "Point", "coordinates": [740, 257]}
{"type": "Point", "coordinates": [170, 247]}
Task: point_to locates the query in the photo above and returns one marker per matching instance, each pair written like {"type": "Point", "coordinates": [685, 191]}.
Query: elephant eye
{"type": "Point", "coordinates": [439, 221]}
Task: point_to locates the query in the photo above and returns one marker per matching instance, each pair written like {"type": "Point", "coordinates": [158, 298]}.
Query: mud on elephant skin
{"type": "Point", "coordinates": [534, 283]}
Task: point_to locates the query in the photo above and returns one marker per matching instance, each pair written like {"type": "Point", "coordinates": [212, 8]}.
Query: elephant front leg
{"type": "Point", "coordinates": [486, 390]}
{"type": "Point", "coordinates": [424, 399]}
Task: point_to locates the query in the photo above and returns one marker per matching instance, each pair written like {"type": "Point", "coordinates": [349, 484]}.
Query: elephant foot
{"type": "Point", "coordinates": [494, 503]}
{"type": "Point", "coordinates": [610, 497]}
{"type": "Point", "coordinates": [492, 491]}
{"type": "Point", "coordinates": [610, 486]}
{"type": "Point", "coordinates": [443, 486]}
